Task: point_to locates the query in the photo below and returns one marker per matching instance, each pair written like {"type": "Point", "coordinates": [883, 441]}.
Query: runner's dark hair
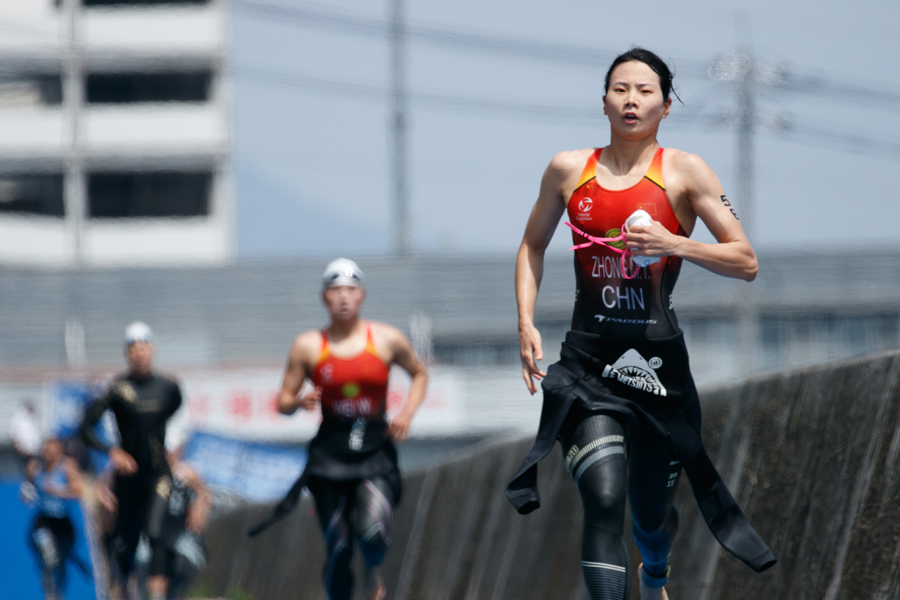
{"type": "Point", "coordinates": [653, 61]}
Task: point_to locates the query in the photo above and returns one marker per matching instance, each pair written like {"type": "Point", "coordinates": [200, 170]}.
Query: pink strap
{"type": "Point", "coordinates": [606, 242]}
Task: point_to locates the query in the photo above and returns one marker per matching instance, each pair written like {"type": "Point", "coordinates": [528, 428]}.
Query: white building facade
{"type": "Point", "coordinates": [114, 133]}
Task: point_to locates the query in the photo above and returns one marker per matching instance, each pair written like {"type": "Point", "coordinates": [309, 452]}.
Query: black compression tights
{"type": "Point", "coordinates": [351, 511]}
{"type": "Point", "coordinates": [596, 458]}
{"type": "Point", "coordinates": [143, 505]}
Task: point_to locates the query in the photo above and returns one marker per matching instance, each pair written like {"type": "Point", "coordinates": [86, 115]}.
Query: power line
{"type": "Point", "coordinates": [320, 18]}
{"type": "Point", "coordinates": [309, 15]}
{"type": "Point", "coordinates": [570, 54]}
{"type": "Point", "coordinates": [568, 115]}
{"type": "Point", "coordinates": [834, 90]}
{"type": "Point", "coordinates": [424, 100]}
{"type": "Point", "coordinates": [846, 141]}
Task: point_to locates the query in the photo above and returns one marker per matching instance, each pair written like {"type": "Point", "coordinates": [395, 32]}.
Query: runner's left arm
{"type": "Point", "coordinates": [74, 485]}
{"type": "Point", "coordinates": [198, 513]}
{"type": "Point", "coordinates": [405, 356]}
{"type": "Point", "coordinates": [174, 400]}
{"type": "Point", "coordinates": [27, 492]}
{"type": "Point", "coordinates": [731, 256]}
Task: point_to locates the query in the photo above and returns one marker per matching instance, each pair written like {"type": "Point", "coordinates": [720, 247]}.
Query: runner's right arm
{"type": "Point", "coordinates": [27, 492]}
{"type": "Point", "coordinates": [92, 416]}
{"type": "Point", "coordinates": [104, 491]}
{"type": "Point", "coordinates": [295, 373]}
{"type": "Point", "coordinates": [122, 461]}
{"type": "Point", "coordinates": [542, 223]}
{"type": "Point", "coordinates": [73, 486]}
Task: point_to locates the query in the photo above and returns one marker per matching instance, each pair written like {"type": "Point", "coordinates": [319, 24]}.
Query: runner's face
{"type": "Point", "coordinates": [634, 101]}
{"type": "Point", "coordinates": [140, 357]}
{"type": "Point", "coordinates": [51, 451]}
{"type": "Point", "coordinates": [344, 301]}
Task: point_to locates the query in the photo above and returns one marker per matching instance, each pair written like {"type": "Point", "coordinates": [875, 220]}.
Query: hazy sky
{"type": "Point", "coordinates": [313, 165]}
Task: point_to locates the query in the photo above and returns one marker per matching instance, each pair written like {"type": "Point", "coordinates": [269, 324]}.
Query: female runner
{"type": "Point", "coordinates": [352, 466]}
{"type": "Point", "coordinates": [621, 400]}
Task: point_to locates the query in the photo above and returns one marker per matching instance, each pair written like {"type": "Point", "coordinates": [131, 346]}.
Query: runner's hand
{"type": "Point", "coordinates": [106, 498]}
{"type": "Point", "coordinates": [28, 493]}
{"type": "Point", "coordinates": [651, 240]}
{"type": "Point", "coordinates": [123, 462]}
{"type": "Point", "coordinates": [398, 428]}
{"type": "Point", "coordinates": [197, 517]}
{"type": "Point", "coordinates": [309, 401]}
{"type": "Point", "coordinates": [530, 352]}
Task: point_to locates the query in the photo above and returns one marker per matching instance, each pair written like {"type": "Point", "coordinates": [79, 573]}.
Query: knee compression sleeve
{"type": "Point", "coordinates": [332, 509]}
{"type": "Point", "coordinates": [45, 544]}
{"type": "Point", "coordinates": [596, 440]}
{"type": "Point", "coordinates": [337, 573]}
{"type": "Point", "coordinates": [372, 519]}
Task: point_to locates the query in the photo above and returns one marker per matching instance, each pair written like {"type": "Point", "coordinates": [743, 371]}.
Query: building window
{"type": "Point", "coordinates": [161, 194]}
{"type": "Point", "coordinates": [30, 90]}
{"type": "Point", "coordinates": [32, 194]}
{"type": "Point", "coordinates": [121, 88]}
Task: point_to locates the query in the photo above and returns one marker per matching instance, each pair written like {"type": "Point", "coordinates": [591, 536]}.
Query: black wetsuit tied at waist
{"type": "Point", "coordinates": [331, 457]}
{"type": "Point", "coordinates": [648, 382]}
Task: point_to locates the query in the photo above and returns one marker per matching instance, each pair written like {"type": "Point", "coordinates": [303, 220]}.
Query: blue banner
{"type": "Point", "coordinates": [255, 471]}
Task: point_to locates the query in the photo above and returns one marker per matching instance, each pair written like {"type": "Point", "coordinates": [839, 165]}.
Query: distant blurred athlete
{"type": "Point", "coordinates": [142, 403]}
{"type": "Point", "coordinates": [51, 481]}
{"type": "Point", "coordinates": [186, 519]}
{"type": "Point", "coordinates": [621, 400]}
{"type": "Point", "coordinates": [352, 467]}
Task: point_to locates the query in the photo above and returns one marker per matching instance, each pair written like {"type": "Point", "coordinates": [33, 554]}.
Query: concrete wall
{"type": "Point", "coordinates": [812, 455]}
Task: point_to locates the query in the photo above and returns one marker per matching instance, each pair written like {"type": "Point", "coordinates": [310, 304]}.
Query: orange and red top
{"type": "Point", "coordinates": [606, 302]}
{"type": "Point", "coordinates": [352, 388]}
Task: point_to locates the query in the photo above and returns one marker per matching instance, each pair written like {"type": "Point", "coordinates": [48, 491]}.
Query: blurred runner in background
{"type": "Point", "coordinates": [142, 403]}
{"type": "Point", "coordinates": [352, 469]}
{"type": "Point", "coordinates": [185, 522]}
{"type": "Point", "coordinates": [51, 483]}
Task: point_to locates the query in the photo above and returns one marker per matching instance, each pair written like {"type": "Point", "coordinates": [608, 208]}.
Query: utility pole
{"type": "Point", "coordinates": [749, 329]}
{"type": "Point", "coordinates": [746, 128]}
{"type": "Point", "coordinates": [742, 70]}
{"type": "Point", "coordinates": [398, 130]}
{"type": "Point", "coordinates": [74, 184]}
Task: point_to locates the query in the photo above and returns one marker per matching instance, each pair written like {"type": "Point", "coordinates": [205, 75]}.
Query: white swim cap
{"type": "Point", "coordinates": [138, 332]}
{"type": "Point", "coordinates": [342, 271]}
